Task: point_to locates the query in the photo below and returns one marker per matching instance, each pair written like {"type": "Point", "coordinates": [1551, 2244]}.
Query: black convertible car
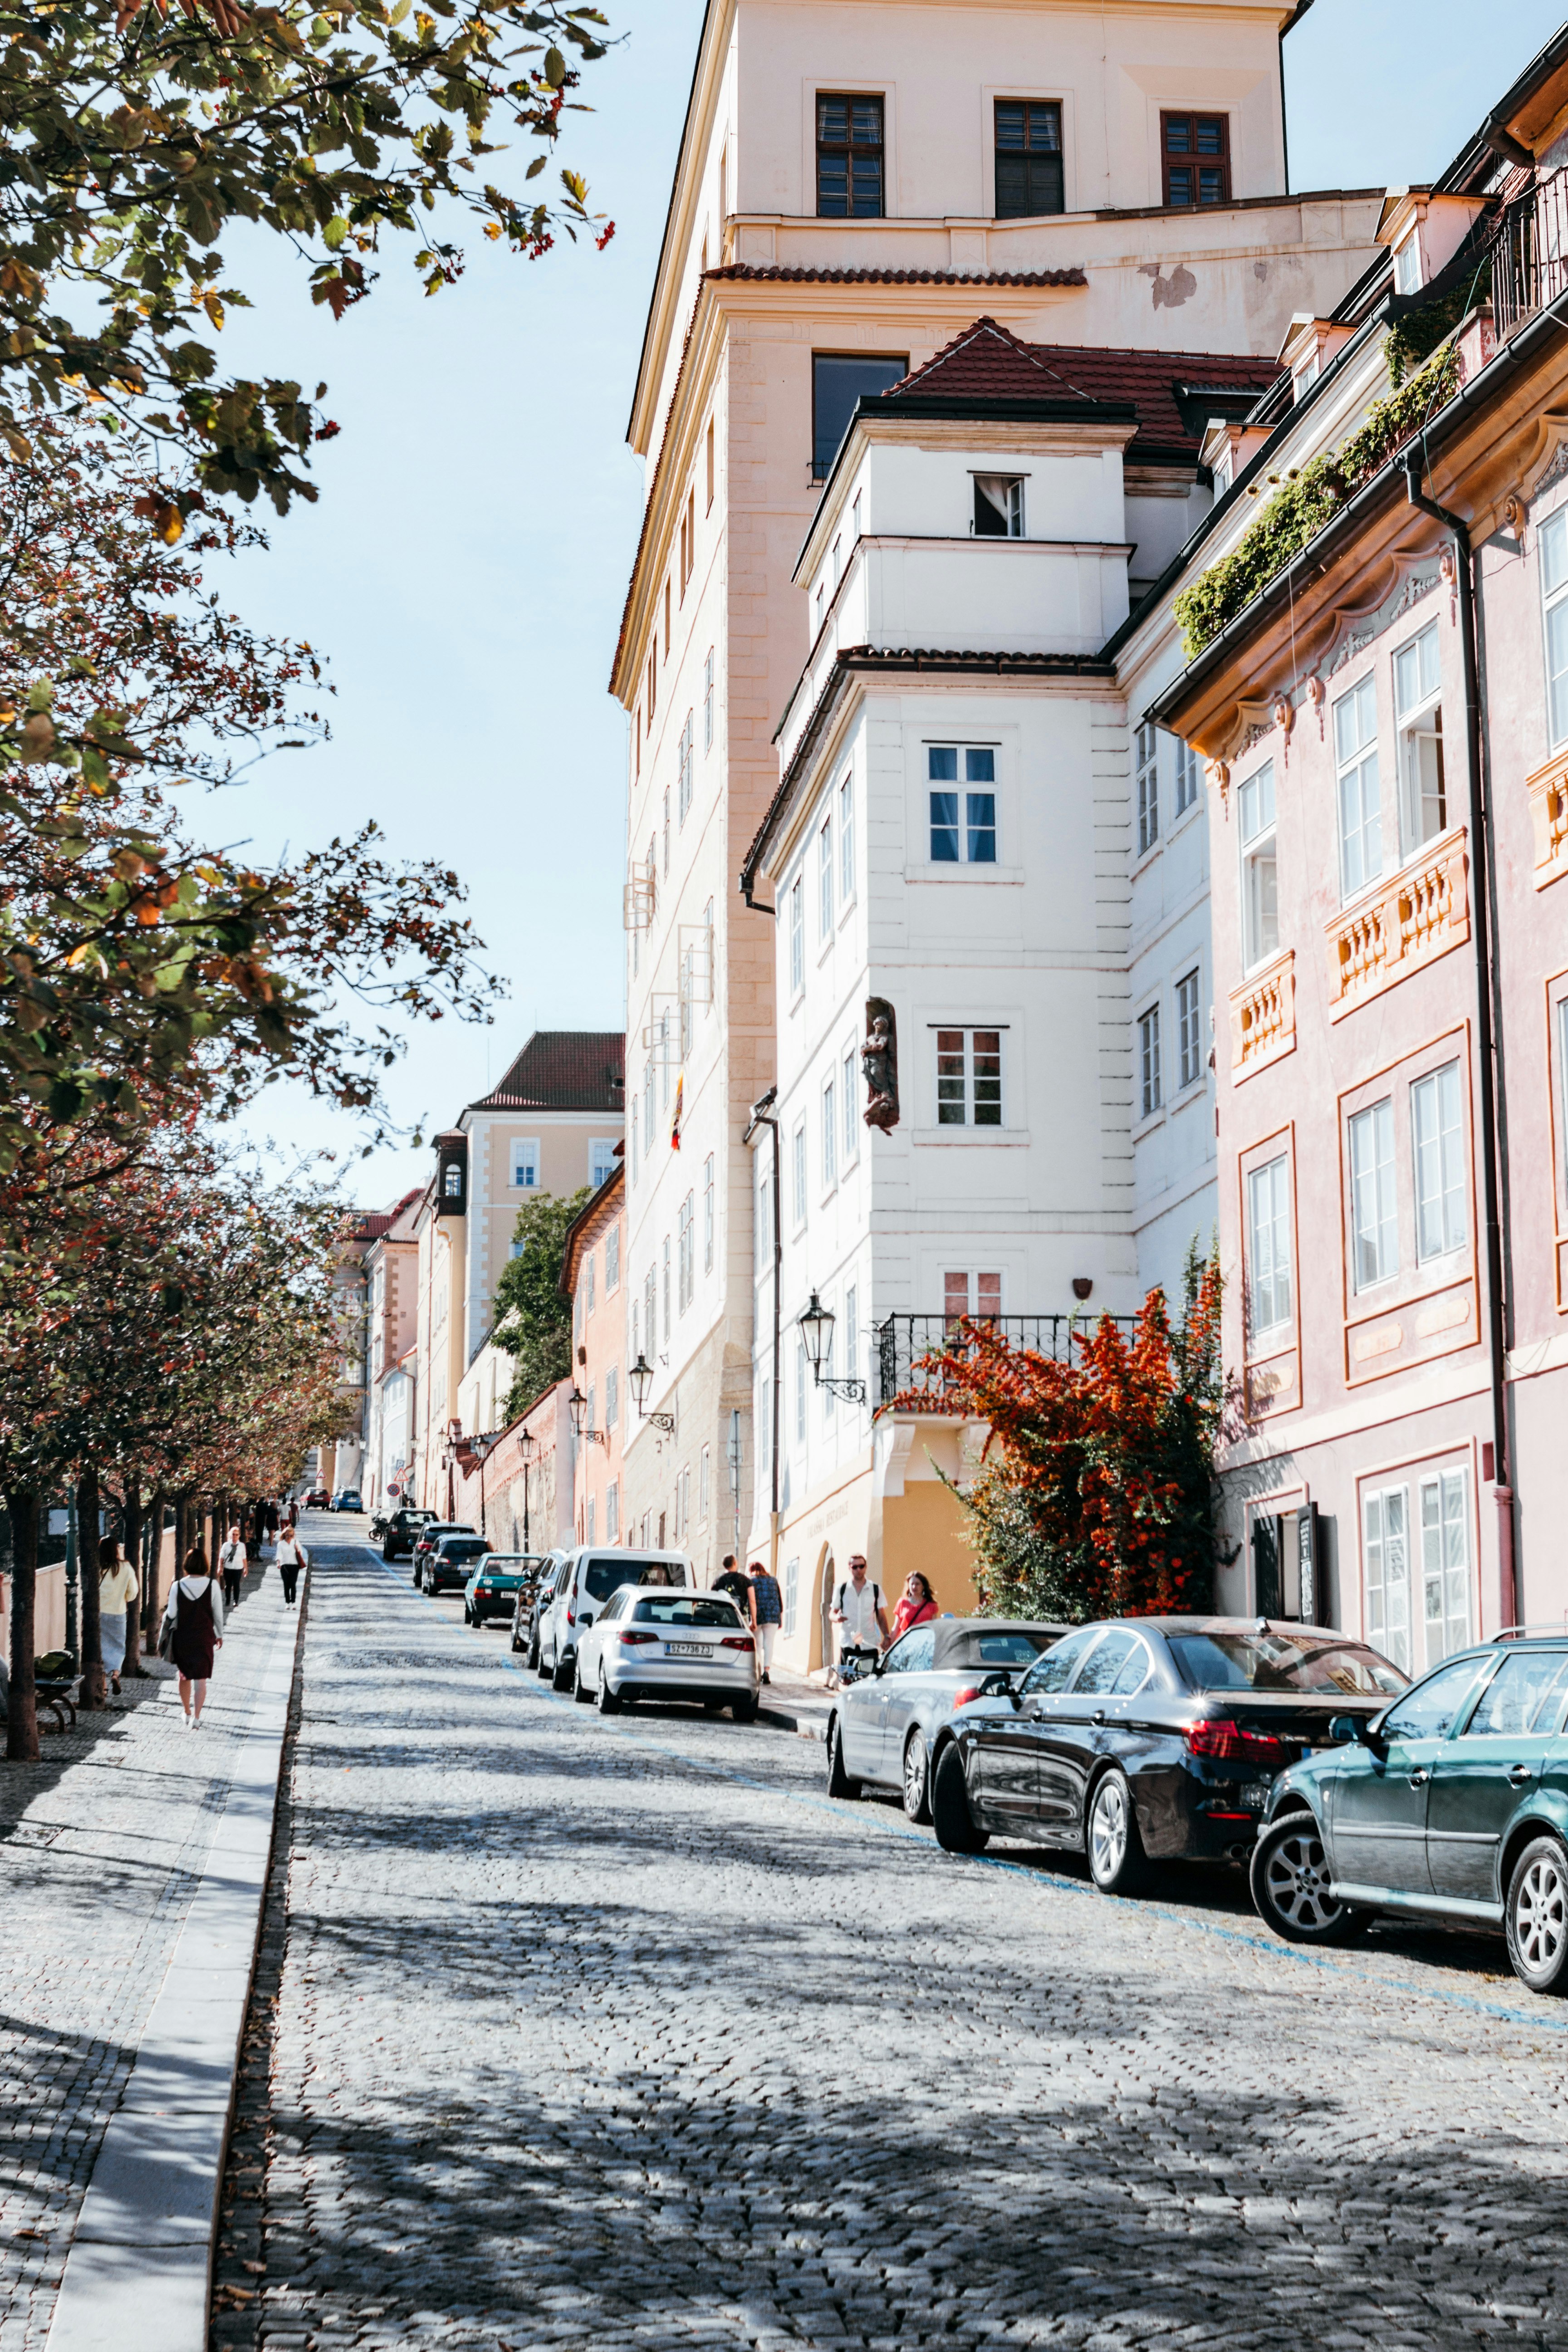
{"type": "Point", "coordinates": [1146, 1738]}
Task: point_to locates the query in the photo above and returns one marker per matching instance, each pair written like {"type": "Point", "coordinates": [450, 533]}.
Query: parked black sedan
{"type": "Point", "coordinates": [450, 1562]}
{"type": "Point", "coordinates": [886, 1717]}
{"type": "Point", "coordinates": [1140, 1740]}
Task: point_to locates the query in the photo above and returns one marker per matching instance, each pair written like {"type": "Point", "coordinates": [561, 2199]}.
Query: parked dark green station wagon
{"type": "Point", "coordinates": [1451, 1803]}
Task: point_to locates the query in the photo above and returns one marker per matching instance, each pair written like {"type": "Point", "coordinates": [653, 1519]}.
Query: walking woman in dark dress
{"type": "Point", "coordinates": [196, 1611]}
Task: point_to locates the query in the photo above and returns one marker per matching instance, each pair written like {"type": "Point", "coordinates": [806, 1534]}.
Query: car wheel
{"type": "Point", "coordinates": [580, 1691]}
{"type": "Point", "coordinates": [917, 1776]}
{"type": "Point", "coordinates": [1116, 1861]}
{"type": "Point", "coordinates": [1537, 1916]}
{"type": "Point", "coordinates": [516, 1645]}
{"type": "Point", "coordinates": [607, 1701]}
{"type": "Point", "coordinates": [1290, 1877]}
{"type": "Point", "coordinates": [560, 1675]}
{"type": "Point", "coordinates": [468, 1615]}
{"type": "Point", "coordinates": [387, 1553]}
{"type": "Point", "coordinates": [745, 1710]}
{"type": "Point", "coordinates": [955, 1823]}
{"type": "Point", "coordinates": [839, 1783]}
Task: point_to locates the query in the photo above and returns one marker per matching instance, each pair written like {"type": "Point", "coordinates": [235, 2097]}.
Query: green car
{"type": "Point", "coordinates": [493, 1588]}
{"type": "Point", "coordinates": [1451, 1805]}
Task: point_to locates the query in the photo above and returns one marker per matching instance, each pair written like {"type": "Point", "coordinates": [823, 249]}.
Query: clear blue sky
{"type": "Point", "coordinates": [466, 565]}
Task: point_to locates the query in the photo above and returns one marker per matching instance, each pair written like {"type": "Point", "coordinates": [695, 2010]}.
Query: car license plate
{"type": "Point", "coordinates": [1254, 1795]}
{"type": "Point", "coordinates": [687, 1649]}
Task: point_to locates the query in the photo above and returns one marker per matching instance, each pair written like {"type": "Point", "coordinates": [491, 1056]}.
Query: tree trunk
{"type": "Point", "coordinates": [182, 1531]}
{"type": "Point", "coordinates": [130, 1544]}
{"type": "Point", "coordinates": [94, 1686]}
{"type": "Point", "coordinates": [22, 1716]}
{"type": "Point", "coordinates": [152, 1598]}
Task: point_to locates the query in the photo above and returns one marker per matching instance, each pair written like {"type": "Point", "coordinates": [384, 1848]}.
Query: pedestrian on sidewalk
{"type": "Point", "coordinates": [231, 1561]}
{"type": "Point", "coordinates": [917, 1607]}
{"type": "Point", "coordinates": [290, 1556]}
{"type": "Point", "coordinates": [858, 1611]}
{"type": "Point", "coordinates": [195, 1614]}
{"type": "Point", "coordinates": [738, 1585]}
{"type": "Point", "coordinates": [117, 1589]}
{"type": "Point", "coordinates": [767, 1615]}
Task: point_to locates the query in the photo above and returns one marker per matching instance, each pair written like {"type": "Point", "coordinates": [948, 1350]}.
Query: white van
{"type": "Point", "coordinates": [591, 1574]}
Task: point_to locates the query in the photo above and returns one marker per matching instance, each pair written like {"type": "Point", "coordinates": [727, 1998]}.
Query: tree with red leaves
{"type": "Point", "coordinates": [1097, 1494]}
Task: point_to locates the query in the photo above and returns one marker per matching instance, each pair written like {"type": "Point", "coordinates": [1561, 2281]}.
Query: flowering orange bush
{"type": "Point", "coordinates": [1097, 1494]}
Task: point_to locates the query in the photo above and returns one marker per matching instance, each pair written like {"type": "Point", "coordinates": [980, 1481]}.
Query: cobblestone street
{"type": "Point", "coordinates": [583, 2034]}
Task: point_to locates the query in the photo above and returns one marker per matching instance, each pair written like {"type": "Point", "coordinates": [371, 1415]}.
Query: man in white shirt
{"type": "Point", "coordinates": [857, 1611]}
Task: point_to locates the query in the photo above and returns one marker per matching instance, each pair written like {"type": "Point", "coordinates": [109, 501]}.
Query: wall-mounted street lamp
{"type": "Point", "coordinates": [577, 1405]}
{"type": "Point", "coordinates": [639, 1380]}
{"type": "Point", "coordinates": [815, 1326]}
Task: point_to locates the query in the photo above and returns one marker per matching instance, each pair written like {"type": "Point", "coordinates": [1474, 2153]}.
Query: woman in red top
{"type": "Point", "coordinates": [918, 1604]}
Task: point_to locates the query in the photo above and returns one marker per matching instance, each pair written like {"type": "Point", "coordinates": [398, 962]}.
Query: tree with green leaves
{"type": "Point", "coordinates": [134, 136]}
{"type": "Point", "coordinates": [532, 1321]}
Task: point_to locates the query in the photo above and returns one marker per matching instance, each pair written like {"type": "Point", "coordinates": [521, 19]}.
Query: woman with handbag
{"type": "Point", "coordinates": [231, 1564]}
{"type": "Point", "coordinates": [117, 1589]}
{"type": "Point", "coordinates": [193, 1631]}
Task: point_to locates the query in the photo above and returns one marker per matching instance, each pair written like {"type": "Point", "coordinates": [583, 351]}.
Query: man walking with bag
{"type": "Point", "coordinates": [291, 1557]}
{"type": "Point", "coordinates": [857, 1611]}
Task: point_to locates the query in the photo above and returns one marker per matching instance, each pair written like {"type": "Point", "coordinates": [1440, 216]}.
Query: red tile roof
{"type": "Point", "coordinates": [988, 363]}
{"type": "Point", "coordinates": [776, 273]}
{"type": "Point", "coordinates": [565, 1069]}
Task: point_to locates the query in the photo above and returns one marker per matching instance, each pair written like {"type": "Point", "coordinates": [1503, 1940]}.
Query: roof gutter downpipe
{"type": "Point", "coordinates": [764, 1114]}
{"type": "Point", "coordinates": [1487, 1022]}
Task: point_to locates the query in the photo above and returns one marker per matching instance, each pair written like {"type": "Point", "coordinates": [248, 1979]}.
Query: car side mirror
{"type": "Point", "coordinates": [586, 1619]}
{"type": "Point", "coordinates": [997, 1686]}
{"type": "Point", "coordinates": [1353, 1731]}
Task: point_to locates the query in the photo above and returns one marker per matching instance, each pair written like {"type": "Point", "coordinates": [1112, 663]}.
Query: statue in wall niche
{"type": "Point", "coordinates": [880, 1060]}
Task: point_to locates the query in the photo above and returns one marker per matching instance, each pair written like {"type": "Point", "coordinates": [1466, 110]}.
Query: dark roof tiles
{"type": "Point", "coordinates": [777, 273]}
{"type": "Point", "coordinates": [565, 1069]}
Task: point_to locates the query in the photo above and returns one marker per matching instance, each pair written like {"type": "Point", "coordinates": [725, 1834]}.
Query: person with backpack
{"type": "Point", "coordinates": [767, 1615]}
{"type": "Point", "coordinates": [193, 1631]}
{"type": "Point", "coordinates": [737, 1584]}
{"type": "Point", "coordinates": [859, 1611]}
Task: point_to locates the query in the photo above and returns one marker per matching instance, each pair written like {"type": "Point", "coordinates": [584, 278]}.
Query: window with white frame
{"type": "Point", "coordinates": [801, 1382]}
{"type": "Point", "coordinates": [965, 1292]}
{"type": "Point", "coordinates": [823, 1390]}
{"type": "Point", "coordinates": [602, 1159]}
{"type": "Point", "coordinates": [1374, 1216]}
{"type": "Point", "coordinates": [612, 1396]}
{"type": "Point", "coordinates": [588, 1535]}
{"type": "Point", "coordinates": [668, 1320]}
{"type": "Point", "coordinates": [1268, 1248]}
{"type": "Point", "coordinates": [824, 880]}
{"type": "Point", "coordinates": [798, 1147]}
{"type": "Point", "coordinates": [1186, 777]}
{"type": "Point", "coordinates": [1407, 265]}
{"type": "Point", "coordinates": [525, 1165]}
{"type": "Point", "coordinates": [847, 839]}
{"type": "Point", "coordinates": [1385, 1572]}
{"type": "Point", "coordinates": [634, 1138]}
{"type": "Point", "coordinates": [829, 1137]}
{"type": "Point", "coordinates": [851, 1332]}
{"type": "Point", "coordinates": [1146, 785]}
{"type": "Point", "coordinates": [969, 1078]}
{"type": "Point", "coordinates": [613, 1259]}
{"type": "Point", "coordinates": [851, 1125]}
{"type": "Point", "coordinates": [612, 1511]}
{"type": "Point", "coordinates": [1149, 1095]}
{"type": "Point", "coordinates": [998, 506]}
{"type": "Point", "coordinates": [1445, 1563]}
{"type": "Point", "coordinates": [791, 1597]}
{"type": "Point", "coordinates": [1418, 709]}
{"type": "Point", "coordinates": [1360, 797]}
{"type": "Point", "coordinates": [1259, 872]}
{"type": "Point", "coordinates": [685, 1228]}
{"type": "Point", "coordinates": [707, 1214]}
{"type": "Point", "coordinates": [963, 823]}
{"type": "Point", "coordinates": [797, 935]}
{"type": "Point", "coordinates": [1189, 1031]}
{"type": "Point", "coordinates": [650, 1312]}
{"type": "Point", "coordinates": [1437, 1127]}
{"type": "Point", "coordinates": [707, 701]}
{"type": "Point", "coordinates": [687, 763]}
{"type": "Point", "coordinates": [650, 1107]}
{"type": "Point", "coordinates": [591, 1286]}
{"type": "Point", "coordinates": [636, 1331]}
{"type": "Point", "coordinates": [1553, 541]}
{"type": "Point", "coordinates": [592, 1405]}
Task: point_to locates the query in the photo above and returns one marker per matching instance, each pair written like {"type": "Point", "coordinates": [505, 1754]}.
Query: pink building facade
{"type": "Point", "coordinates": [1386, 728]}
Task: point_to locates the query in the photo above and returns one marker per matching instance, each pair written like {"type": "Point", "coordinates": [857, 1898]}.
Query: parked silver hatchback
{"type": "Point", "coordinates": [588, 1579]}
{"type": "Point", "coordinates": [689, 1646]}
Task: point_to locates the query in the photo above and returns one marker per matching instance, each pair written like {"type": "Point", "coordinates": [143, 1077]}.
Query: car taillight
{"type": "Point", "coordinates": [737, 1642]}
{"type": "Point", "coordinates": [1228, 1743]}
{"type": "Point", "coordinates": [963, 1697]}
{"type": "Point", "coordinates": [635, 1641]}
{"type": "Point", "coordinates": [571, 1616]}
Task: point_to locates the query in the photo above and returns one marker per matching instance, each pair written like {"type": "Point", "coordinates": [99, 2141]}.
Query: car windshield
{"type": "Point", "coordinates": [464, 1548]}
{"type": "Point", "coordinates": [603, 1577]}
{"type": "Point", "coordinates": [1277, 1661]}
{"type": "Point", "coordinates": [694, 1609]}
{"type": "Point", "coordinates": [1007, 1649]}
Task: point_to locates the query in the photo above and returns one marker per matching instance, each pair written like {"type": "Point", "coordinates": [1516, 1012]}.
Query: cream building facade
{"type": "Point", "coordinates": [846, 200]}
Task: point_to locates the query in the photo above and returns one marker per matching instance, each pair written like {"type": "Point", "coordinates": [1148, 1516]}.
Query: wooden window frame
{"type": "Point", "coordinates": [1193, 158]}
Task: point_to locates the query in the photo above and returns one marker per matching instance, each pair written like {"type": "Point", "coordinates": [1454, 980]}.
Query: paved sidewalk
{"type": "Point", "coordinates": [796, 1703]}
{"type": "Point", "coordinates": [101, 1848]}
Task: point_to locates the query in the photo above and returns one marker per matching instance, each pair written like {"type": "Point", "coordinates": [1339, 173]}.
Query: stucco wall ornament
{"type": "Point", "coordinates": [1219, 774]}
{"type": "Point", "coordinates": [1318, 695]}
{"type": "Point", "coordinates": [1363, 630]}
{"type": "Point", "coordinates": [1549, 463]}
{"type": "Point", "coordinates": [880, 1060]}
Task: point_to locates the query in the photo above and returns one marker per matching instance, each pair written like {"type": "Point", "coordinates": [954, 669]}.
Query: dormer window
{"type": "Point", "coordinates": [1407, 265]}
{"type": "Point", "coordinates": [1306, 374]}
{"type": "Point", "coordinates": [452, 1181]}
{"type": "Point", "coordinates": [998, 506]}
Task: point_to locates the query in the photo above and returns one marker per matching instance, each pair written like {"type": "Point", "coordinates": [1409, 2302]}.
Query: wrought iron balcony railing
{"type": "Point", "coordinates": [1529, 254]}
{"type": "Point", "coordinates": [903, 1342]}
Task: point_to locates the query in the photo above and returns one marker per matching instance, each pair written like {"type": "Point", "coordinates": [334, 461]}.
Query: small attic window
{"type": "Point", "coordinates": [998, 506]}
{"type": "Point", "coordinates": [1306, 374]}
{"type": "Point", "coordinates": [1407, 265]}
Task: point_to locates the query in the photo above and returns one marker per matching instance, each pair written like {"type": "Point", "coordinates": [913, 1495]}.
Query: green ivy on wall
{"type": "Point", "coordinates": [1309, 499]}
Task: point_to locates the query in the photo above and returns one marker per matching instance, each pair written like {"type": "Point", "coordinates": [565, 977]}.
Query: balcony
{"type": "Point", "coordinates": [1263, 1016]}
{"type": "Point", "coordinates": [1410, 921]}
{"type": "Point", "coordinates": [904, 1340]}
{"type": "Point", "coordinates": [1529, 254]}
{"type": "Point", "coordinates": [1548, 790]}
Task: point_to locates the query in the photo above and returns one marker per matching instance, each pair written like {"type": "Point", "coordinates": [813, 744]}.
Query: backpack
{"type": "Point", "coordinates": [874, 1590]}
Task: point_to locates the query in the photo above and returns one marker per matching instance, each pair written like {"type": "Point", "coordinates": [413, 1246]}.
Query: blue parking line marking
{"type": "Point", "coordinates": [1551, 2021]}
